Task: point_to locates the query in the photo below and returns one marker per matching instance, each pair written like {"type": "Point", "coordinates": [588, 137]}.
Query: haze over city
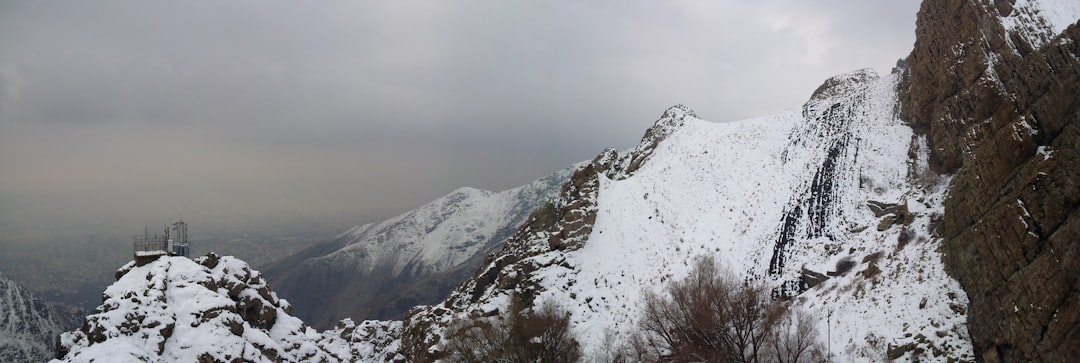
{"type": "Point", "coordinates": [118, 114]}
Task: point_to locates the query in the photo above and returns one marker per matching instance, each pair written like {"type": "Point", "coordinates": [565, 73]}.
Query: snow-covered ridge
{"type": "Point", "coordinates": [214, 308]}
{"type": "Point", "coordinates": [28, 326]}
{"type": "Point", "coordinates": [1039, 21]}
{"type": "Point", "coordinates": [380, 270]}
{"type": "Point", "coordinates": [784, 199]}
{"type": "Point", "coordinates": [445, 232]}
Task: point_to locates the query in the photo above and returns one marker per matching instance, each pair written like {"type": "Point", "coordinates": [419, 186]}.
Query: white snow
{"type": "Point", "coordinates": [722, 189]}
{"type": "Point", "coordinates": [1044, 151]}
{"type": "Point", "coordinates": [1039, 21]}
{"type": "Point", "coordinates": [178, 310]}
{"type": "Point", "coordinates": [28, 325]}
{"type": "Point", "coordinates": [1059, 14]}
{"type": "Point", "coordinates": [445, 232]}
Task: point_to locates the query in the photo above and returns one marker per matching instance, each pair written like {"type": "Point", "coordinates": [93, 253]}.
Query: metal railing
{"type": "Point", "coordinates": [150, 245]}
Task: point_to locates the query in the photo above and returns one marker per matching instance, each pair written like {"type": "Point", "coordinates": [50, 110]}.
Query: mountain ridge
{"type": "Point", "coordinates": [379, 270]}
{"type": "Point", "coordinates": [629, 221]}
{"type": "Point", "coordinates": [28, 325]}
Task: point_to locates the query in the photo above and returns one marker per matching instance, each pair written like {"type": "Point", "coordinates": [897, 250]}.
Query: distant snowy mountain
{"type": "Point", "coordinates": [28, 326]}
{"type": "Point", "coordinates": [380, 270]}
{"type": "Point", "coordinates": [211, 309]}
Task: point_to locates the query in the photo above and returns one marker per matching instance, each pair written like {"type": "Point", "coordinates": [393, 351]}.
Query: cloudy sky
{"type": "Point", "coordinates": [140, 112]}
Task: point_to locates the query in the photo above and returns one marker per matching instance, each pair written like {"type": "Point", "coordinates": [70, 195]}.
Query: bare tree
{"type": "Point", "coordinates": [519, 335]}
{"type": "Point", "coordinates": [797, 341]}
{"type": "Point", "coordinates": [711, 316]}
{"type": "Point", "coordinates": [476, 341]}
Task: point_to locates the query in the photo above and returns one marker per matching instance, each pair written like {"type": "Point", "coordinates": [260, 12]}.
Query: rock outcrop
{"type": "Point", "coordinates": [994, 84]}
{"type": "Point", "coordinates": [211, 309]}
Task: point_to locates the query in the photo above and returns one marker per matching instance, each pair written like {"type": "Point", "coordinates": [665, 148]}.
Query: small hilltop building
{"type": "Point", "coordinates": [174, 242]}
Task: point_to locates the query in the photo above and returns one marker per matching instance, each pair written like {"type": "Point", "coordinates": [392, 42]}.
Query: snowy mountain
{"type": "Point", "coordinates": [779, 199]}
{"type": "Point", "coordinates": [380, 270]}
{"type": "Point", "coordinates": [930, 214]}
{"type": "Point", "coordinates": [840, 206]}
{"type": "Point", "coordinates": [211, 309]}
{"type": "Point", "coordinates": [28, 326]}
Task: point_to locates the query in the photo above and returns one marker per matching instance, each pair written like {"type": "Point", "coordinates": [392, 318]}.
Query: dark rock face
{"type": "Point", "coordinates": [1003, 115]}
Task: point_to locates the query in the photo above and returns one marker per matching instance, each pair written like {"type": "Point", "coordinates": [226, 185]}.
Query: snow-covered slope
{"type": "Point", "coordinates": [1039, 21]}
{"type": "Point", "coordinates": [379, 270]}
{"type": "Point", "coordinates": [769, 198]}
{"type": "Point", "coordinates": [28, 326]}
{"type": "Point", "coordinates": [779, 199]}
{"type": "Point", "coordinates": [211, 309]}
{"type": "Point", "coordinates": [444, 233]}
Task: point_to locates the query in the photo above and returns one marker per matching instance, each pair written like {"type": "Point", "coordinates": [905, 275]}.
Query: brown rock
{"type": "Point", "coordinates": [1011, 223]}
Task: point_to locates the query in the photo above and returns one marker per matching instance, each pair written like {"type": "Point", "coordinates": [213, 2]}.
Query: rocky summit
{"type": "Point", "coordinates": [210, 309]}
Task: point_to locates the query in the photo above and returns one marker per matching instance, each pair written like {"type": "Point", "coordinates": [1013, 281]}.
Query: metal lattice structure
{"type": "Point", "coordinates": [180, 245]}
{"type": "Point", "coordinates": [147, 246]}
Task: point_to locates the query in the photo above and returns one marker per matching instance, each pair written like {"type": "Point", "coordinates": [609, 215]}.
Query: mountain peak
{"type": "Point", "coordinates": [212, 308]}
{"type": "Point", "coordinates": [678, 111]}
{"type": "Point", "coordinates": [842, 83]}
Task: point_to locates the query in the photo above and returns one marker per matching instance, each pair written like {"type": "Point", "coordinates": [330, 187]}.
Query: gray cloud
{"type": "Point", "coordinates": [120, 108]}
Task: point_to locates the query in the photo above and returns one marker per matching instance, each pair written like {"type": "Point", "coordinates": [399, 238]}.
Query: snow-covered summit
{"type": "Point", "coordinates": [210, 309]}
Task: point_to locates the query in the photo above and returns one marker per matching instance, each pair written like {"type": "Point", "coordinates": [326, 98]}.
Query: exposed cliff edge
{"type": "Point", "coordinates": [994, 84]}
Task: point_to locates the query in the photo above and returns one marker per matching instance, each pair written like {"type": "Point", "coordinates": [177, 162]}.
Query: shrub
{"type": "Point", "coordinates": [711, 316]}
{"type": "Point", "coordinates": [797, 341]}
{"type": "Point", "coordinates": [905, 236]}
{"type": "Point", "coordinates": [519, 335]}
{"type": "Point", "coordinates": [844, 265]}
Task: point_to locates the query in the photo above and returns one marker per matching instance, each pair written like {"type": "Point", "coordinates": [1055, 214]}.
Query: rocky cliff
{"type": "Point", "coordinates": [995, 85]}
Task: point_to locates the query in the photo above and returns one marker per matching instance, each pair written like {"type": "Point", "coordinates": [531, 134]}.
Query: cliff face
{"type": "Point", "coordinates": [994, 84]}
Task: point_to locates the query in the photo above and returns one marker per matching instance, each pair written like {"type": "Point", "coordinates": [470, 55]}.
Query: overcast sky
{"type": "Point", "coordinates": [141, 112]}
